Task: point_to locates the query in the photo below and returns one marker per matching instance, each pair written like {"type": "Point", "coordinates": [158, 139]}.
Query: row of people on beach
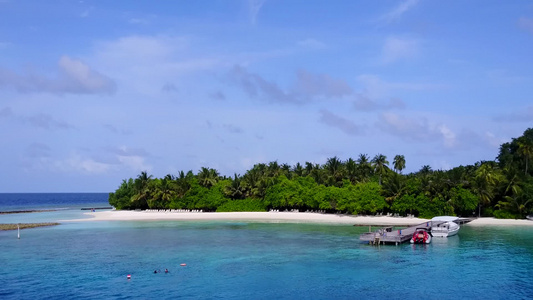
{"type": "Point", "coordinates": [176, 210]}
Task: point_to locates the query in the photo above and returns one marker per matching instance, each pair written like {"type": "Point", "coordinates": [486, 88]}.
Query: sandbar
{"type": "Point", "coordinates": [11, 226]}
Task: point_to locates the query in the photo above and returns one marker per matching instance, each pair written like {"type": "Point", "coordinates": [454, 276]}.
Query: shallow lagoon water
{"type": "Point", "coordinates": [240, 260]}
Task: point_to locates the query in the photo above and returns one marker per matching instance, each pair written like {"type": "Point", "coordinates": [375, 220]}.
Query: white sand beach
{"type": "Point", "coordinates": [498, 222]}
{"type": "Point", "coordinates": [278, 217]}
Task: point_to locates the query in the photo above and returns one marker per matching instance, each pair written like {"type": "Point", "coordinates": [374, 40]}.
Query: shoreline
{"type": "Point", "coordinates": [279, 217]}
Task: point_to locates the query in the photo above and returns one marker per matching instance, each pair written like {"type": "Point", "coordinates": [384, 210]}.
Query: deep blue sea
{"type": "Point", "coordinates": [238, 260]}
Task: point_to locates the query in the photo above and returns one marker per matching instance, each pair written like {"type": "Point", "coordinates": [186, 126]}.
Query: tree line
{"type": "Point", "coordinates": [502, 188]}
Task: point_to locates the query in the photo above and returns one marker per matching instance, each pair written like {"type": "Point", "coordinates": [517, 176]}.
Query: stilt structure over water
{"type": "Point", "coordinates": [388, 235]}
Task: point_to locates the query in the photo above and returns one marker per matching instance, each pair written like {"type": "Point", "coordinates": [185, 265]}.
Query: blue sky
{"type": "Point", "coordinates": [93, 92]}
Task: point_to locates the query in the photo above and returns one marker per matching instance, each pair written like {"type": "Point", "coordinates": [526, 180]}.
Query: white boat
{"type": "Point", "coordinates": [421, 236]}
{"type": "Point", "coordinates": [444, 226]}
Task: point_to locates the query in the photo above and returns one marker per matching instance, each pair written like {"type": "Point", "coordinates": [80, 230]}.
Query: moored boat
{"type": "Point", "coordinates": [421, 236]}
{"type": "Point", "coordinates": [444, 226]}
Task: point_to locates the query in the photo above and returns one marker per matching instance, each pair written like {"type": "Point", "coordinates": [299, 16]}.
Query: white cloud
{"type": "Point", "coordinates": [88, 165]}
{"type": "Point", "coordinates": [152, 64]}
{"type": "Point", "coordinates": [443, 165]}
{"type": "Point", "coordinates": [73, 77]}
{"type": "Point", "coordinates": [420, 129]}
{"type": "Point", "coordinates": [396, 49]}
{"type": "Point", "coordinates": [448, 136]}
{"type": "Point", "coordinates": [135, 163]}
{"type": "Point", "coordinates": [254, 8]}
{"type": "Point", "coordinates": [491, 139]}
{"type": "Point", "coordinates": [40, 156]}
{"type": "Point", "coordinates": [80, 78]}
{"type": "Point", "coordinates": [75, 163]}
{"type": "Point", "coordinates": [398, 11]}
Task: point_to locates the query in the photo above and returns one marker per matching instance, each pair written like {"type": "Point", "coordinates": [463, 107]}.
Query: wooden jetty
{"type": "Point", "coordinates": [389, 235]}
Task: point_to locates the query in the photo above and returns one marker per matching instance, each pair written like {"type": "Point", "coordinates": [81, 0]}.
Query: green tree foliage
{"type": "Point", "coordinates": [399, 163]}
{"type": "Point", "coordinates": [121, 198]}
{"type": "Point", "coordinates": [463, 201]}
{"type": "Point", "coordinates": [380, 165]}
{"type": "Point", "coordinates": [501, 188]}
{"type": "Point", "coordinates": [242, 205]}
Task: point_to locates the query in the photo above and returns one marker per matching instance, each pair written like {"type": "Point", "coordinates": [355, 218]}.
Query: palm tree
{"type": "Point", "coordinates": [162, 192]}
{"type": "Point", "coordinates": [426, 169]}
{"type": "Point", "coordinates": [525, 150]}
{"type": "Point", "coordinates": [141, 187]}
{"type": "Point", "coordinates": [273, 169]}
{"type": "Point", "coordinates": [255, 181]}
{"type": "Point", "coordinates": [486, 180]}
{"type": "Point", "coordinates": [317, 174]}
{"type": "Point", "coordinates": [380, 164]}
{"type": "Point", "coordinates": [393, 187]}
{"type": "Point", "coordinates": [399, 163]}
{"type": "Point", "coordinates": [183, 183]}
{"type": "Point", "coordinates": [207, 177]}
{"type": "Point", "coordinates": [235, 190]}
{"type": "Point", "coordinates": [351, 170]}
{"type": "Point", "coordinates": [308, 168]}
{"type": "Point", "coordinates": [334, 168]}
{"type": "Point", "coordinates": [298, 170]}
{"type": "Point", "coordinates": [515, 203]}
{"type": "Point", "coordinates": [286, 170]}
{"type": "Point", "coordinates": [364, 167]}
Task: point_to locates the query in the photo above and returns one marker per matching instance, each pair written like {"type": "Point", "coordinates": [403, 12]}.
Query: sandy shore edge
{"type": "Point", "coordinates": [277, 217]}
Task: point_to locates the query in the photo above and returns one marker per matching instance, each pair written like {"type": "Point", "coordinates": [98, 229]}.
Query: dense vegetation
{"type": "Point", "coordinates": [502, 188]}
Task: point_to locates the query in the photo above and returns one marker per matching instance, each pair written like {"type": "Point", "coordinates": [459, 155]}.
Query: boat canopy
{"type": "Point", "coordinates": [445, 218]}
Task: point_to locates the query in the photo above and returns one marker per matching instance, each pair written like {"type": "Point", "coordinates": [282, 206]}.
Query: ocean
{"type": "Point", "coordinates": [246, 260]}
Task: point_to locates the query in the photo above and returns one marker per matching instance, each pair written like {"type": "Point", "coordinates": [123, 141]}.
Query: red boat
{"type": "Point", "coordinates": [421, 236]}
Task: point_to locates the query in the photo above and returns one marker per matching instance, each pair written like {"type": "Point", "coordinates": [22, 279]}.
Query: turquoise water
{"type": "Point", "coordinates": [237, 260]}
